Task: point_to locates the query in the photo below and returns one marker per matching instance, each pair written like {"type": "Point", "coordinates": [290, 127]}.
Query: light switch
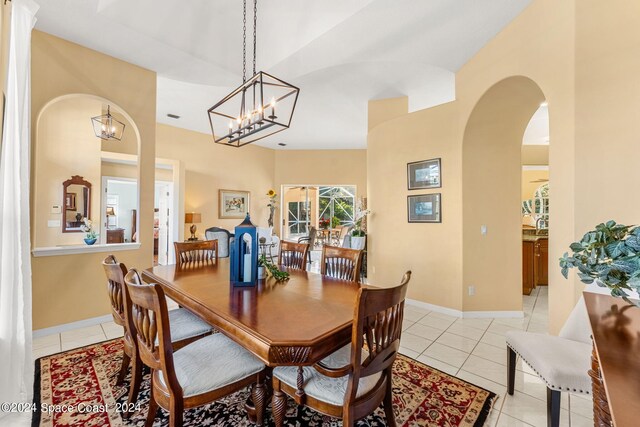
{"type": "Point", "coordinates": [483, 230]}
{"type": "Point", "coordinates": [53, 223]}
{"type": "Point", "coordinates": [55, 209]}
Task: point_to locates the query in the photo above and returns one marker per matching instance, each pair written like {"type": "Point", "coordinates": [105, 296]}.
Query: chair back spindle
{"type": "Point", "coordinates": [196, 254]}
{"type": "Point", "coordinates": [377, 328]}
{"type": "Point", "coordinates": [293, 255]}
{"type": "Point", "coordinates": [151, 322]}
{"type": "Point", "coordinates": [341, 263]}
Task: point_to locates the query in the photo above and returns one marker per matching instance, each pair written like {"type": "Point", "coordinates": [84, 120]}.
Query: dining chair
{"type": "Point", "coordinates": [199, 373]}
{"type": "Point", "coordinates": [196, 254]}
{"type": "Point", "coordinates": [562, 362]}
{"type": "Point", "coordinates": [310, 238]}
{"type": "Point", "coordinates": [353, 381]}
{"type": "Point", "coordinates": [187, 327]}
{"type": "Point", "coordinates": [341, 263]}
{"type": "Point", "coordinates": [293, 255]}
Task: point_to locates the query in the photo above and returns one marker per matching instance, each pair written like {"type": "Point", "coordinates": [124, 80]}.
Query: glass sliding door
{"type": "Point", "coordinates": [306, 206]}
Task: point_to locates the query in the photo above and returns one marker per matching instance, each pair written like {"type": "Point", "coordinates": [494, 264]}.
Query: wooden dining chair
{"type": "Point", "coordinates": [353, 381]}
{"type": "Point", "coordinates": [341, 263]}
{"type": "Point", "coordinates": [195, 254]}
{"type": "Point", "coordinates": [293, 255]}
{"type": "Point", "coordinates": [197, 374]}
{"type": "Point", "coordinates": [187, 327]}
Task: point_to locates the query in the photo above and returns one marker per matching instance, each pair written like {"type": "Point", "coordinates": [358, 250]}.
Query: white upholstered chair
{"type": "Point", "coordinates": [562, 362]}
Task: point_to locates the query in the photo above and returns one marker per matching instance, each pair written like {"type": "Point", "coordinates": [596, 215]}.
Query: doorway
{"type": "Point", "coordinates": [119, 216]}
{"type": "Point", "coordinates": [162, 223]}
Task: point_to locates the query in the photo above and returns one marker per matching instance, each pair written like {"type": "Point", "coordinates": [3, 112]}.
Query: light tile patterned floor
{"type": "Point", "coordinates": [471, 349]}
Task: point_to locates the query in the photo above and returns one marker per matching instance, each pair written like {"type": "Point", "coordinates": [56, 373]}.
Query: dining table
{"type": "Point", "coordinates": [296, 322]}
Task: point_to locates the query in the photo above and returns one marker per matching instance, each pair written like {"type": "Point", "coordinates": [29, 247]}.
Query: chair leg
{"type": "Point", "coordinates": [511, 370]}
{"type": "Point", "coordinates": [153, 407]}
{"type": "Point", "coordinates": [388, 402]}
{"type": "Point", "coordinates": [259, 397]}
{"type": "Point", "coordinates": [126, 359]}
{"type": "Point", "coordinates": [136, 381]}
{"type": "Point", "coordinates": [553, 408]}
{"type": "Point", "coordinates": [176, 413]}
{"type": "Point", "coordinates": [278, 403]}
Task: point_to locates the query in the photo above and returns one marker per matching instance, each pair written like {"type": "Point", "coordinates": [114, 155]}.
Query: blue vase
{"type": "Point", "coordinates": [90, 241]}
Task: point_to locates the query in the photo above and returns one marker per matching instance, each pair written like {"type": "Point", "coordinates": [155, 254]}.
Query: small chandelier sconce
{"type": "Point", "coordinates": [259, 107]}
{"type": "Point", "coordinates": [107, 127]}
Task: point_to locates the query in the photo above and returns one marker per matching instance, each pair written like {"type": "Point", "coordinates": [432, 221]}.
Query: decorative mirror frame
{"type": "Point", "coordinates": [77, 180]}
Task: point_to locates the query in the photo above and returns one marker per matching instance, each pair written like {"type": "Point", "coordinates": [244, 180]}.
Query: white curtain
{"type": "Point", "coordinates": [16, 366]}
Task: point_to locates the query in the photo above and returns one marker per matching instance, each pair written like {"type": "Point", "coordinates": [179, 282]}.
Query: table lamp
{"type": "Point", "coordinates": [110, 212]}
{"type": "Point", "coordinates": [193, 218]}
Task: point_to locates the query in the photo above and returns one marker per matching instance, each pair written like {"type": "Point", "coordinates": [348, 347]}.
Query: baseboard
{"type": "Point", "coordinates": [71, 326]}
{"type": "Point", "coordinates": [465, 314]}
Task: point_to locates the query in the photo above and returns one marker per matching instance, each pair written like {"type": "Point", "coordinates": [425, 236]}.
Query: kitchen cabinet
{"type": "Point", "coordinates": [541, 262]}
{"type": "Point", "coordinates": [528, 279]}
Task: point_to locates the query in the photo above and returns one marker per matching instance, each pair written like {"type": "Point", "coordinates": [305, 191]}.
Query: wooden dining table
{"type": "Point", "coordinates": [296, 322]}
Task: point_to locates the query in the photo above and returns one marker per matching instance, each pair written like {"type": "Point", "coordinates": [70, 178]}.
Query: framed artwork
{"type": "Point", "coordinates": [70, 201]}
{"type": "Point", "coordinates": [424, 174]}
{"type": "Point", "coordinates": [424, 208]}
{"type": "Point", "coordinates": [232, 204]}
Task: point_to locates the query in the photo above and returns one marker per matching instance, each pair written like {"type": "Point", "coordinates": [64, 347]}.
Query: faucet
{"type": "Point", "coordinates": [538, 221]}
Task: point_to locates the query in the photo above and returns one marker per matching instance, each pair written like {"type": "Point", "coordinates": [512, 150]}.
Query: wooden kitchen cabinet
{"type": "Point", "coordinates": [541, 262]}
{"type": "Point", "coordinates": [115, 235]}
{"type": "Point", "coordinates": [528, 278]}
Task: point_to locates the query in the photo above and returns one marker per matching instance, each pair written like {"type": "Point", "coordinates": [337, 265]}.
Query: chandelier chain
{"type": "Point", "coordinates": [244, 41]}
{"type": "Point", "coordinates": [255, 24]}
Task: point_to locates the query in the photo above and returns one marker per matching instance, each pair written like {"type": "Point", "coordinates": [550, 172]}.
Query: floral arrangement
{"type": "Point", "coordinates": [324, 223]}
{"type": "Point", "coordinates": [273, 203]}
{"type": "Point", "coordinates": [361, 214]}
{"type": "Point", "coordinates": [88, 228]}
{"type": "Point", "coordinates": [608, 256]}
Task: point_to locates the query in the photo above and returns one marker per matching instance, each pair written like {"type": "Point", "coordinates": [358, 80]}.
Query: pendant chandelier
{"type": "Point", "coordinates": [261, 106]}
{"type": "Point", "coordinates": [107, 127]}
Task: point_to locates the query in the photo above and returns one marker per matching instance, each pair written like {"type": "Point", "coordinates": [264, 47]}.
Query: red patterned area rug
{"type": "Point", "coordinates": [77, 388]}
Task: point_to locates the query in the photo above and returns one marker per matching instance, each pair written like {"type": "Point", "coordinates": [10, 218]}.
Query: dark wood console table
{"type": "Point", "coordinates": [615, 371]}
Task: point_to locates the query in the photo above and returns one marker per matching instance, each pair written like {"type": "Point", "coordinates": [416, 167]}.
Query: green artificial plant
{"type": "Point", "coordinates": [273, 270]}
{"type": "Point", "coordinates": [608, 255]}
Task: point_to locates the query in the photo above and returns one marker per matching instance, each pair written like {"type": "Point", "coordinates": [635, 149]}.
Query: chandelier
{"type": "Point", "coordinates": [261, 106]}
{"type": "Point", "coordinates": [107, 127]}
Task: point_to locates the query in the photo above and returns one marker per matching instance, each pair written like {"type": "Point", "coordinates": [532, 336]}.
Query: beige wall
{"type": "Point", "coordinates": [433, 252]}
{"type": "Point", "coordinates": [521, 49]}
{"type": "Point", "coordinates": [535, 155]}
{"type": "Point", "coordinates": [69, 288]}
{"type": "Point", "coordinates": [64, 146]}
{"type": "Point", "coordinates": [210, 167]}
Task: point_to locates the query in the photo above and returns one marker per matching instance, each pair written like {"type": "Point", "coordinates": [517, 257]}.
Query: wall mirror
{"type": "Point", "coordinates": [76, 196]}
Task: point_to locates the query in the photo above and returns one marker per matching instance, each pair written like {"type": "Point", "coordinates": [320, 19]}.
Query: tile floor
{"type": "Point", "coordinates": [471, 349]}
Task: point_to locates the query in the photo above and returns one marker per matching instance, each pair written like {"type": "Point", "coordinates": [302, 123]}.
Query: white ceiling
{"type": "Point", "coordinates": [537, 131]}
{"type": "Point", "coordinates": [340, 53]}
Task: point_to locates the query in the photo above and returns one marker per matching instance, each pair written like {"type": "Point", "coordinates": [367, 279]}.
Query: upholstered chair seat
{"type": "Point", "coordinates": [562, 362]}
{"type": "Point", "coordinates": [323, 388]}
{"type": "Point", "coordinates": [211, 363]}
{"type": "Point", "coordinates": [185, 324]}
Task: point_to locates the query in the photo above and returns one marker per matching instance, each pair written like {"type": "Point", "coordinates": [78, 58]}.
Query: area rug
{"type": "Point", "coordinates": [77, 388]}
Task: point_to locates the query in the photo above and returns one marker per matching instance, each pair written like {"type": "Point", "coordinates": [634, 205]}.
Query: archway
{"type": "Point", "coordinates": [492, 230]}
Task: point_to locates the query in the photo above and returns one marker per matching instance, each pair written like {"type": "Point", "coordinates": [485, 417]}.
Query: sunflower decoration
{"type": "Point", "coordinates": [273, 201]}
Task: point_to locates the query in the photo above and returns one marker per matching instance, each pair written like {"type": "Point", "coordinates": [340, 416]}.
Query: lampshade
{"type": "Point", "coordinates": [111, 211]}
{"type": "Point", "coordinates": [192, 218]}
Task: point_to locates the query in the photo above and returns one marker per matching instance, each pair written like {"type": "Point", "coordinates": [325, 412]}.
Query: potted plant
{"type": "Point", "coordinates": [359, 235]}
{"type": "Point", "coordinates": [262, 266]}
{"type": "Point", "coordinates": [324, 223]}
{"type": "Point", "coordinates": [91, 236]}
{"type": "Point", "coordinates": [608, 256]}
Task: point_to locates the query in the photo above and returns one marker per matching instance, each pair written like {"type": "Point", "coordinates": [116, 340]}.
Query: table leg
{"type": "Point", "coordinates": [278, 404]}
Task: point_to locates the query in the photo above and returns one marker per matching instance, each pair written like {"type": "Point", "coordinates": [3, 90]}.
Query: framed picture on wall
{"type": "Point", "coordinates": [424, 174]}
{"type": "Point", "coordinates": [424, 208]}
{"type": "Point", "coordinates": [70, 201]}
{"type": "Point", "coordinates": [232, 204]}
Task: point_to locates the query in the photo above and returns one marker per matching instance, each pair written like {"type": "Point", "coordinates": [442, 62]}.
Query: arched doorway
{"type": "Point", "coordinates": [492, 218]}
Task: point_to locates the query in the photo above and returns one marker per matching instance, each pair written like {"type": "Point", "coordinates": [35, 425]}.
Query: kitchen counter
{"type": "Point", "coordinates": [533, 238]}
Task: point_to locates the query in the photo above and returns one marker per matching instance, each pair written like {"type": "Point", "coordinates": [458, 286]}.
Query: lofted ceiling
{"type": "Point", "coordinates": [340, 53]}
